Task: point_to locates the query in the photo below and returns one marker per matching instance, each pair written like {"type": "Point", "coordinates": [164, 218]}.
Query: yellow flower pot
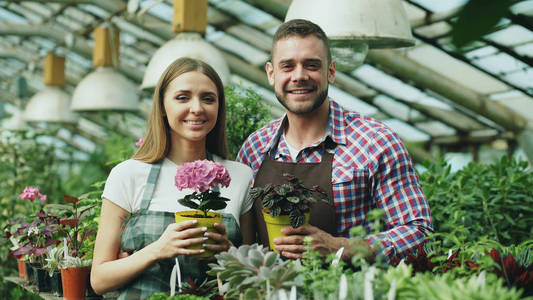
{"type": "Point", "coordinates": [208, 222]}
{"type": "Point", "coordinates": [274, 226]}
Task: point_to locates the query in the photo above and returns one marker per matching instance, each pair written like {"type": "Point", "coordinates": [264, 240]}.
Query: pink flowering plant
{"type": "Point", "coordinates": [32, 193]}
{"type": "Point", "coordinates": [33, 235]}
{"type": "Point", "coordinates": [205, 177]}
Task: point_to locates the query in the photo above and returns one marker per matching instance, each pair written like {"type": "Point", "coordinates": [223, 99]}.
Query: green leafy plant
{"type": "Point", "coordinates": [245, 113]}
{"type": "Point", "coordinates": [291, 198]}
{"type": "Point", "coordinates": [487, 199]}
{"type": "Point", "coordinates": [163, 296]}
{"type": "Point", "coordinates": [253, 272]}
{"type": "Point", "coordinates": [72, 218]}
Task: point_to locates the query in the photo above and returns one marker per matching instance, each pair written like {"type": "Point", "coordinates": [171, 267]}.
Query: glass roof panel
{"type": "Point", "coordinates": [396, 109]}
{"type": "Point", "coordinates": [440, 6]}
{"type": "Point", "coordinates": [517, 101]}
{"type": "Point", "coordinates": [406, 131]}
{"type": "Point", "coordinates": [350, 102]}
{"type": "Point", "coordinates": [236, 46]}
{"type": "Point", "coordinates": [435, 128]}
{"type": "Point", "coordinates": [499, 63]}
{"type": "Point", "coordinates": [161, 10]}
{"type": "Point", "coordinates": [434, 30]}
{"type": "Point", "coordinates": [247, 13]}
{"type": "Point", "coordinates": [28, 14]}
{"type": "Point", "coordinates": [45, 44]}
{"type": "Point", "coordinates": [512, 35]}
{"type": "Point", "coordinates": [12, 17]}
{"type": "Point", "coordinates": [386, 83]}
{"type": "Point", "coordinates": [523, 79]}
{"type": "Point", "coordinates": [140, 33]}
{"type": "Point", "coordinates": [79, 15]}
{"type": "Point", "coordinates": [42, 9]}
{"type": "Point", "coordinates": [69, 23]}
{"type": "Point", "coordinates": [393, 86]}
{"type": "Point", "coordinates": [525, 50]}
{"type": "Point", "coordinates": [481, 52]}
{"type": "Point", "coordinates": [456, 70]}
{"type": "Point", "coordinates": [95, 10]}
{"type": "Point", "coordinates": [523, 7]}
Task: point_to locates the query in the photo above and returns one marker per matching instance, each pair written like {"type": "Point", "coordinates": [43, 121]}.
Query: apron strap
{"type": "Point", "coordinates": [150, 185]}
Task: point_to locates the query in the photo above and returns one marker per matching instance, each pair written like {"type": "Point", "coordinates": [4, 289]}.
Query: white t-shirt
{"type": "Point", "coordinates": [127, 181]}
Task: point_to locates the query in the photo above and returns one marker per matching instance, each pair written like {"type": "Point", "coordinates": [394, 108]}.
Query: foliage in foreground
{"type": "Point", "coordinates": [494, 200]}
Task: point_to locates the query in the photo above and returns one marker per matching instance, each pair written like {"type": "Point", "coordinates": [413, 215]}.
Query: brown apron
{"type": "Point", "coordinates": [271, 171]}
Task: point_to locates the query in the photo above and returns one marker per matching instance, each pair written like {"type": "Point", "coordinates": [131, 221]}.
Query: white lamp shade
{"type": "Point", "coordinates": [105, 89]}
{"type": "Point", "coordinates": [184, 45]}
{"type": "Point", "coordinates": [51, 104]}
{"type": "Point", "coordinates": [380, 23]}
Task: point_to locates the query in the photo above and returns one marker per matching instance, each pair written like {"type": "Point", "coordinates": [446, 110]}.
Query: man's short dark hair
{"type": "Point", "coordinates": [301, 28]}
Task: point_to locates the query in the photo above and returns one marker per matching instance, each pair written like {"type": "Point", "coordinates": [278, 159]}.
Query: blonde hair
{"type": "Point", "coordinates": [157, 140]}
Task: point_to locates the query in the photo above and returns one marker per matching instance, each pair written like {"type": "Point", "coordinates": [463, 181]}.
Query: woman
{"type": "Point", "coordinates": [187, 123]}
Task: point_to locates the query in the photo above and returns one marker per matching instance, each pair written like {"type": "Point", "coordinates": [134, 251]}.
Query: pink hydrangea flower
{"type": "Point", "coordinates": [201, 175]}
{"type": "Point", "coordinates": [30, 193]}
{"type": "Point", "coordinates": [139, 142]}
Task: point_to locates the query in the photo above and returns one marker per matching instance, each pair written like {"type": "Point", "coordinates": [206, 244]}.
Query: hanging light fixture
{"type": "Point", "coordinates": [189, 21]}
{"type": "Point", "coordinates": [105, 88]}
{"type": "Point", "coordinates": [354, 26]}
{"type": "Point", "coordinates": [52, 104]}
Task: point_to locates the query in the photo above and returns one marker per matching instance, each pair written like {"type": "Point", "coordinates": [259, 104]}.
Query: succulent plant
{"type": "Point", "coordinates": [254, 272]}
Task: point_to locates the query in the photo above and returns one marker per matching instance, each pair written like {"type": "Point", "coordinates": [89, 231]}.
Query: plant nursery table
{"type": "Point", "coordinates": [49, 296]}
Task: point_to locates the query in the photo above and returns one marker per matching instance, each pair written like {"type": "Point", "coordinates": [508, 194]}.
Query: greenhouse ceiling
{"type": "Point", "coordinates": [432, 95]}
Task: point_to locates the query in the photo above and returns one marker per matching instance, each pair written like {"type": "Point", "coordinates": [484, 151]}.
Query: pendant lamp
{"type": "Point", "coordinates": [105, 88]}
{"type": "Point", "coordinates": [354, 26]}
{"type": "Point", "coordinates": [189, 21]}
{"type": "Point", "coordinates": [52, 104]}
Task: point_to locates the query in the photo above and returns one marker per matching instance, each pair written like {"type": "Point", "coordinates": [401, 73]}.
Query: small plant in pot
{"type": "Point", "coordinates": [286, 204]}
{"type": "Point", "coordinates": [75, 263]}
{"type": "Point", "coordinates": [204, 177]}
{"type": "Point", "coordinates": [35, 238]}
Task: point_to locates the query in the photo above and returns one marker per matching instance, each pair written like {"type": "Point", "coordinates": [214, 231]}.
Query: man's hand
{"type": "Point", "coordinates": [292, 246]}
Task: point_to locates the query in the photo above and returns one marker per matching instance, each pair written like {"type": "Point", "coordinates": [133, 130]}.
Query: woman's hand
{"type": "Point", "coordinates": [177, 237]}
{"type": "Point", "coordinates": [222, 242]}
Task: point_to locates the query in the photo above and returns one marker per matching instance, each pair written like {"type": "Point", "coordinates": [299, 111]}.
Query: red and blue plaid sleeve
{"type": "Point", "coordinates": [398, 193]}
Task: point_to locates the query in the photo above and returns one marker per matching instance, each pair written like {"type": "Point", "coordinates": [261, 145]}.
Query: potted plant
{"type": "Point", "coordinates": [35, 239]}
{"type": "Point", "coordinates": [53, 265]}
{"type": "Point", "coordinates": [12, 234]}
{"type": "Point", "coordinates": [74, 264]}
{"type": "Point", "coordinates": [205, 177]}
{"type": "Point", "coordinates": [286, 204]}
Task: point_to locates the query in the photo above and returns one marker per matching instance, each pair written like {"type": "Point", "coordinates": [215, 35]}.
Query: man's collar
{"type": "Point", "coordinates": [335, 130]}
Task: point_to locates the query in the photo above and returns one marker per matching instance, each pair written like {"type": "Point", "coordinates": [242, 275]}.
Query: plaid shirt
{"type": "Point", "coordinates": [371, 169]}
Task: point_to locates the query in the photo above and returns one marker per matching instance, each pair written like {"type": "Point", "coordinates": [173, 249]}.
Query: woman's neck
{"type": "Point", "coordinates": [187, 152]}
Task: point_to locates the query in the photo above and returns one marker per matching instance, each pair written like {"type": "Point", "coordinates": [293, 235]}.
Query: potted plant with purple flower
{"type": "Point", "coordinates": [204, 178]}
{"type": "Point", "coordinates": [33, 236]}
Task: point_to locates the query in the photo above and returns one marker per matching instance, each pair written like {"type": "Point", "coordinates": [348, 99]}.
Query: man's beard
{"type": "Point", "coordinates": [319, 99]}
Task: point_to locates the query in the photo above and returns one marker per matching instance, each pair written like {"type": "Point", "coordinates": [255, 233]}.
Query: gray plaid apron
{"type": "Point", "coordinates": [144, 227]}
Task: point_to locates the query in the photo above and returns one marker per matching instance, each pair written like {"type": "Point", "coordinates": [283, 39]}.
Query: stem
{"type": "Point", "coordinates": [15, 174]}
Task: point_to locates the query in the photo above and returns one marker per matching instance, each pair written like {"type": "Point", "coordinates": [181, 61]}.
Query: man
{"type": "Point", "coordinates": [358, 160]}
